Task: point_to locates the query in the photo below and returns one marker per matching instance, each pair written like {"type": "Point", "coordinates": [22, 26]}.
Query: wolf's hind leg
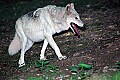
{"type": "Point", "coordinates": [42, 56]}
{"type": "Point", "coordinates": [23, 40]}
{"type": "Point", "coordinates": [21, 60]}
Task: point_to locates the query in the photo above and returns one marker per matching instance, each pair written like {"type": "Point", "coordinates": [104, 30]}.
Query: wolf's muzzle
{"type": "Point", "coordinates": [82, 28]}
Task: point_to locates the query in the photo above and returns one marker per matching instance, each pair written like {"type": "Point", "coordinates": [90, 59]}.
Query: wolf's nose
{"type": "Point", "coordinates": [83, 28]}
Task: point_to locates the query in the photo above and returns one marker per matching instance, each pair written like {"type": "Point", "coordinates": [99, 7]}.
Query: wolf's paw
{"type": "Point", "coordinates": [63, 57]}
{"type": "Point", "coordinates": [43, 58]}
{"type": "Point", "coordinates": [21, 65]}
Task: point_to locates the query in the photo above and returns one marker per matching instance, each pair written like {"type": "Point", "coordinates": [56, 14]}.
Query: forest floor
{"type": "Point", "coordinates": [98, 46]}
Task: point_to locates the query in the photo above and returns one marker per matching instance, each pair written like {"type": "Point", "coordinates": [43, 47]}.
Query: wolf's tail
{"type": "Point", "coordinates": [14, 46]}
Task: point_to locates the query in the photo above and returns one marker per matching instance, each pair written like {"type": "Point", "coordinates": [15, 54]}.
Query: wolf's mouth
{"type": "Point", "coordinates": [74, 26]}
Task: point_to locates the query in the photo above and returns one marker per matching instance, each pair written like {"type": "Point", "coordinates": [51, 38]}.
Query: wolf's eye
{"type": "Point", "coordinates": [76, 18]}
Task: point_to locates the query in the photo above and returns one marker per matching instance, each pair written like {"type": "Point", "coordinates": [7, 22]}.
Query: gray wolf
{"type": "Point", "coordinates": [40, 25]}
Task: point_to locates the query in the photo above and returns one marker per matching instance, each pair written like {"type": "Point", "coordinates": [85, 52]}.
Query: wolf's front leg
{"type": "Point", "coordinates": [42, 56]}
{"type": "Point", "coordinates": [55, 47]}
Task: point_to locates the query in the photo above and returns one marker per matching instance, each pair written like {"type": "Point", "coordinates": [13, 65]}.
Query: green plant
{"type": "Point", "coordinates": [52, 69]}
{"type": "Point", "coordinates": [116, 76]}
{"type": "Point", "coordinates": [80, 71]}
{"type": "Point", "coordinates": [34, 78]}
{"type": "Point", "coordinates": [84, 66]}
{"type": "Point", "coordinates": [118, 65]}
{"type": "Point", "coordinates": [41, 64]}
{"type": "Point", "coordinates": [74, 69]}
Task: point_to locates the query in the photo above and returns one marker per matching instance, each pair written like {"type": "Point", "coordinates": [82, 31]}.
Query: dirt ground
{"type": "Point", "coordinates": [99, 45]}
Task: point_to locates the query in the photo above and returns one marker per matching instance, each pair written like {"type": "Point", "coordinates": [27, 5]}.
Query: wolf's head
{"type": "Point", "coordinates": [73, 19]}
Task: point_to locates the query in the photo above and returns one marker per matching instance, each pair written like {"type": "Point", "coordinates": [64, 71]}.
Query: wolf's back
{"type": "Point", "coordinates": [14, 46]}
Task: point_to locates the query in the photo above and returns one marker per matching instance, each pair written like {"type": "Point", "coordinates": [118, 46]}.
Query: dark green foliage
{"type": "Point", "coordinates": [84, 66]}
{"type": "Point", "coordinates": [34, 78]}
{"type": "Point", "coordinates": [80, 71]}
{"type": "Point", "coordinates": [41, 64]}
{"type": "Point", "coordinates": [118, 65]}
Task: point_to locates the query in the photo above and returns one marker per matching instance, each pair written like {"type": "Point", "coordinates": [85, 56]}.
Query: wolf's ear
{"type": "Point", "coordinates": [69, 7]}
{"type": "Point", "coordinates": [72, 5]}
